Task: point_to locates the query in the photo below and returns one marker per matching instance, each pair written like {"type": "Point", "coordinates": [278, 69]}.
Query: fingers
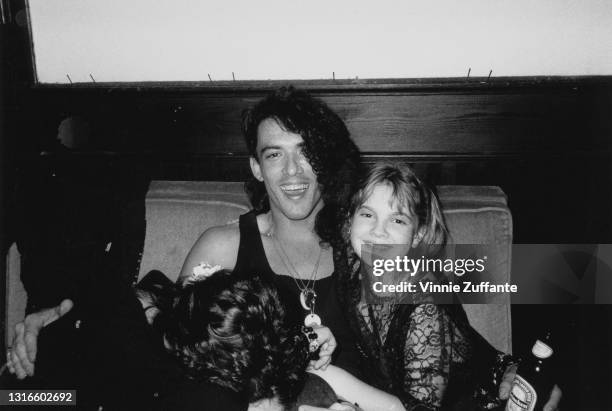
{"type": "Point", "coordinates": [25, 345]}
{"type": "Point", "coordinates": [65, 306]}
{"type": "Point", "coordinates": [554, 400]}
{"type": "Point", "coordinates": [327, 343]}
{"type": "Point", "coordinates": [506, 384]}
{"type": "Point", "coordinates": [15, 354]}
{"type": "Point", "coordinates": [325, 357]}
{"type": "Point", "coordinates": [327, 349]}
{"type": "Point", "coordinates": [29, 345]}
{"type": "Point", "coordinates": [325, 337]}
{"type": "Point", "coordinates": [9, 361]}
{"type": "Point", "coordinates": [14, 366]}
{"type": "Point", "coordinates": [37, 321]}
{"type": "Point", "coordinates": [504, 390]}
{"type": "Point", "coordinates": [321, 363]}
{"type": "Point", "coordinates": [21, 357]}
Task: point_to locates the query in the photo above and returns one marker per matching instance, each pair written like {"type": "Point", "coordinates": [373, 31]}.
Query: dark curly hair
{"type": "Point", "coordinates": [231, 332]}
{"type": "Point", "coordinates": [331, 152]}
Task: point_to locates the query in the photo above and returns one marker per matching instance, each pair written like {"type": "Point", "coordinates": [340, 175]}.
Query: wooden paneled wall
{"type": "Point", "coordinates": [437, 119]}
{"type": "Point", "coordinates": [546, 142]}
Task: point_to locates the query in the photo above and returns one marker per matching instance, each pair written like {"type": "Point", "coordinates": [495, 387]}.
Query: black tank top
{"type": "Point", "coordinates": [251, 260]}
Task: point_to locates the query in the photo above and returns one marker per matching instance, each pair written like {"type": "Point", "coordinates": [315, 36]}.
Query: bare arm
{"type": "Point", "coordinates": [356, 391]}
{"type": "Point", "coordinates": [216, 246]}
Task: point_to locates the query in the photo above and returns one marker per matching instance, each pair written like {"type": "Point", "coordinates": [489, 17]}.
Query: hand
{"type": "Point", "coordinates": [148, 305]}
{"type": "Point", "coordinates": [506, 386]}
{"type": "Point", "coordinates": [327, 342]}
{"type": "Point", "coordinates": [21, 357]}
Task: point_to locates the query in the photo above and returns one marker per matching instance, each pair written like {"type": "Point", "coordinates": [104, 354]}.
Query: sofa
{"type": "Point", "coordinates": [177, 212]}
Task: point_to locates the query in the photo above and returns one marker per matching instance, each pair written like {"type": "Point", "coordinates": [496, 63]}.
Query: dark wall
{"type": "Point", "coordinates": [546, 142]}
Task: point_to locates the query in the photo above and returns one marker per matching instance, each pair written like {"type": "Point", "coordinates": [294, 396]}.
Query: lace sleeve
{"type": "Point", "coordinates": [444, 357]}
{"type": "Point", "coordinates": [427, 356]}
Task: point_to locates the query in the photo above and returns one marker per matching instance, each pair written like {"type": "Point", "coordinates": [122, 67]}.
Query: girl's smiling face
{"type": "Point", "coordinates": [381, 219]}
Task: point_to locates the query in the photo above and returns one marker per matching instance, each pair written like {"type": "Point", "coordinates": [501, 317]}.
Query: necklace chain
{"type": "Point", "coordinates": [308, 296]}
{"type": "Point", "coordinates": [301, 285]}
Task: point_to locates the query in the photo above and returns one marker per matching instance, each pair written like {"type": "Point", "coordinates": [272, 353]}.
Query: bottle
{"type": "Point", "coordinates": [534, 378]}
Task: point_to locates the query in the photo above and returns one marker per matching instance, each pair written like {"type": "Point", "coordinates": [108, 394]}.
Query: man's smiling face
{"type": "Point", "coordinates": [289, 179]}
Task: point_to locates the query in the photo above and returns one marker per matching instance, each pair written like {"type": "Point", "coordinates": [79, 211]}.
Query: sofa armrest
{"type": "Point", "coordinates": [480, 215]}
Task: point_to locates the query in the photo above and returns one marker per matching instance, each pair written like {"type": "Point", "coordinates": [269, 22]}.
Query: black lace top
{"type": "Point", "coordinates": [427, 355]}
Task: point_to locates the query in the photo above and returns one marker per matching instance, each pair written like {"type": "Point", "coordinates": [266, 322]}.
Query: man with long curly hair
{"type": "Point", "coordinates": [303, 163]}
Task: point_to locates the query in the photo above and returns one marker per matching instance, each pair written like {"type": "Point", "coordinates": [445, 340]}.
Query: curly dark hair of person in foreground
{"type": "Point", "coordinates": [231, 332]}
{"type": "Point", "coordinates": [328, 147]}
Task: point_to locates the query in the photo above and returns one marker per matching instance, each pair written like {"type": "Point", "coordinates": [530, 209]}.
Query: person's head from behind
{"type": "Point", "coordinates": [232, 333]}
{"type": "Point", "coordinates": [302, 158]}
{"type": "Point", "coordinates": [393, 206]}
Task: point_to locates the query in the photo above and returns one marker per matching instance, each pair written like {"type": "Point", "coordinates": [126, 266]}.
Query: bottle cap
{"type": "Point", "coordinates": [541, 350]}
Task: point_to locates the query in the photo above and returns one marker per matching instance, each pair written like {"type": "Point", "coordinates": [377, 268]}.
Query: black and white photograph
{"type": "Point", "coordinates": [306, 205]}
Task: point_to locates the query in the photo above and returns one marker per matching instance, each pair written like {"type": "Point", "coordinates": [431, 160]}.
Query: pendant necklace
{"type": "Point", "coordinates": [308, 296]}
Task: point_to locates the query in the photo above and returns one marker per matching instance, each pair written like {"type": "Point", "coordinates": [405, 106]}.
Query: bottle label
{"type": "Point", "coordinates": [522, 396]}
{"type": "Point", "coordinates": [541, 350]}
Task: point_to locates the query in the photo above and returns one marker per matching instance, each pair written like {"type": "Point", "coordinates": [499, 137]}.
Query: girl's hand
{"type": "Point", "coordinates": [506, 386]}
{"type": "Point", "coordinates": [327, 342]}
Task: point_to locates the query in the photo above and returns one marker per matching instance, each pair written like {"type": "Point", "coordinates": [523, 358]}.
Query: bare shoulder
{"type": "Point", "coordinates": [216, 246]}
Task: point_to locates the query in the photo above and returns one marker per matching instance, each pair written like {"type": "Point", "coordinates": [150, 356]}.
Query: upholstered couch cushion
{"type": "Point", "coordinates": [177, 212]}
